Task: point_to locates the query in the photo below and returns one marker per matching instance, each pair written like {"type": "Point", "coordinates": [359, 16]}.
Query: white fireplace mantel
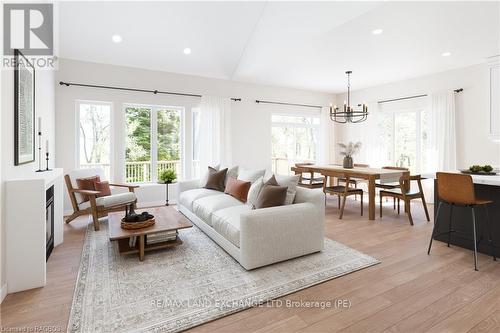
{"type": "Point", "coordinates": [25, 227]}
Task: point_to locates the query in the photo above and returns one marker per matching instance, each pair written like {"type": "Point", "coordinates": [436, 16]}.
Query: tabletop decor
{"type": "Point", "coordinates": [24, 110]}
{"type": "Point", "coordinates": [479, 170]}
{"type": "Point", "coordinates": [132, 220]}
{"type": "Point", "coordinates": [348, 150]}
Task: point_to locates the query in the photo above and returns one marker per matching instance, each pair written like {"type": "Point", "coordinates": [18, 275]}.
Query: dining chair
{"type": "Point", "coordinates": [353, 181]}
{"type": "Point", "coordinates": [392, 185]}
{"type": "Point", "coordinates": [406, 193]}
{"type": "Point", "coordinates": [308, 179]}
{"type": "Point", "coordinates": [456, 189]}
{"type": "Point", "coordinates": [343, 191]}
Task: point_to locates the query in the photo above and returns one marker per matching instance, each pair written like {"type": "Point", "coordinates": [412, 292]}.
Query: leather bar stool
{"type": "Point", "coordinates": [458, 190]}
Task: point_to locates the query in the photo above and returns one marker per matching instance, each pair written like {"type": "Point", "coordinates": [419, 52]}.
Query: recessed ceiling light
{"type": "Point", "coordinates": [377, 31]}
{"type": "Point", "coordinates": [117, 38]}
{"type": "Point", "coordinates": [187, 50]}
{"type": "Point", "coordinates": [446, 54]}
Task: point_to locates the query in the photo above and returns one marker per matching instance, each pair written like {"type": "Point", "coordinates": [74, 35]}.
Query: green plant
{"type": "Point", "coordinates": [167, 176]}
{"type": "Point", "coordinates": [487, 168]}
{"type": "Point", "coordinates": [476, 168]}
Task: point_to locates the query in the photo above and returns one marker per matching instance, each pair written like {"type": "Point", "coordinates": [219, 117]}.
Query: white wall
{"type": "Point", "coordinates": [251, 122]}
{"type": "Point", "coordinates": [473, 144]}
{"type": "Point", "coordinates": [44, 107]}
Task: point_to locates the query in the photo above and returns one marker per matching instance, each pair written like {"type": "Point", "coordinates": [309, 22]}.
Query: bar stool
{"type": "Point", "coordinates": [458, 190]}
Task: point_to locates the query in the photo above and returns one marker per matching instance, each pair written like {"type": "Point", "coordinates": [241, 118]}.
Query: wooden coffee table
{"type": "Point", "coordinates": [166, 218]}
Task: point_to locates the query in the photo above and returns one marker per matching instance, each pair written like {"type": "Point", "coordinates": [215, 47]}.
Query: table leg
{"type": "Point", "coordinates": [371, 198]}
{"type": "Point", "coordinates": [141, 247]}
{"type": "Point", "coordinates": [166, 197]}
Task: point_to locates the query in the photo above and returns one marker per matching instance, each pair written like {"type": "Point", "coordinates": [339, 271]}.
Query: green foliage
{"type": "Point", "coordinates": [167, 176]}
{"type": "Point", "coordinates": [479, 168]}
{"type": "Point", "coordinates": [487, 168]}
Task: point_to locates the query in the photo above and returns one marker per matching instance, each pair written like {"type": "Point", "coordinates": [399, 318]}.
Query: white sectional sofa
{"type": "Point", "coordinates": [256, 237]}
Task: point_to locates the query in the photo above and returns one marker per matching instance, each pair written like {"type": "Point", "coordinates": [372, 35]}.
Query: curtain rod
{"type": "Point", "coordinates": [291, 104]}
{"type": "Point", "coordinates": [459, 90]}
{"type": "Point", "coordinates": [67, 84]}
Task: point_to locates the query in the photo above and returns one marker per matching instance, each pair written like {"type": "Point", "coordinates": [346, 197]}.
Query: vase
{"type": "Point", "coordinates": [348, 164]}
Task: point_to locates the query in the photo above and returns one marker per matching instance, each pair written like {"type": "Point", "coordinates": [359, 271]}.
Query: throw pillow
{"type": "Point", "coordinates": [271, 196]}
{"type": "Point", "coordinates": [291, 182]}
{"type": "Point", "coordinates": [238, 189]}
{"type": "Point", "coordinates": [254, 191]}
{"type": "Point", "coordinates": [104, 188]}
{"type": "Point", "coordinates": [216, 179]}
{"type": "Point", "coordinates": [87, 184]}
{"type": "Point", "coordinates": [250, 175]}
{"type": "Point", "coordinates": [272, 181]}
{"type": "Point", "coordinates": [204, 178]}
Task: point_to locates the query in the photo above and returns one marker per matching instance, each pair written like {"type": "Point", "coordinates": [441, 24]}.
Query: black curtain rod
{"type": "Point", "coordinates": [67, 84]}
{"type": "Point", "coordinates": [291, 104]}
{"type": "Point", "coordinates": [459, 90]}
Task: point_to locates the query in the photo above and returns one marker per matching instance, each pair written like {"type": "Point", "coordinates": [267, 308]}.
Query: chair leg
{"type": "Point", "coordinates": [95, 216]}
{"type": "Point", "coordinates": [449, 225]}
{"type": "Point", "coordinates": [339, 201]}
{"type": "Point", "coordinates": [342, 208]}
{"type": "Point", "coordinates": [394, 202]}
{"type": "Point", "coordinates": [408, 211]}
{"type": "Point", "coordinates": [71, 217]}
{"type": "Point", "coordinates": [398, 206]}
{"type": "Point", "coordinates": [356, 196]}
{"type": "Point", "coordinates": [434, 228]}
{"type": "Point", "coordinates": [475, 237]}
{"type": "Point", "coordinates": [425, 209]}
{"type": "Point", "coordinates": [361, 204]}
{"type": "Point", "coordinates": [488, 225]}
{"type": "Point", "coordinates": [381, 197]}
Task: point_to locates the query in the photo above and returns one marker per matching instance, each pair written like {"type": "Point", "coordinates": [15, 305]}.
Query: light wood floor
{"type": "Point", "coordinates": [408, 292]}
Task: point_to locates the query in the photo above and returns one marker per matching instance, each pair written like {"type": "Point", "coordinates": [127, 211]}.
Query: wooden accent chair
{"type": "Point", "coordinates": [353, 181]}
{"type": "Point", "coordinates": [405, 193]}
{"type": "Point", "coordinates": [456, 189]}
{"type": "Point", "coordinates": [307, 178]}
{"type": "Point", "coordinates": [97, 206]}
{"type": "Point", "coordinates": [390, 186]}
{"type": "Point", "coordinates": [343, 191]}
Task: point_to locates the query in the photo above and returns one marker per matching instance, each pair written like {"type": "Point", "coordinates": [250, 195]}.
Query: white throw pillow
{"type": "Point", "coordinates": [204, 178]}
{"type": "Point", "coordinates": [231, 172]}
{"type": "Point", "coordinates": [250, 175]}
{"type": "Point", "coordinates": [290, 182]}
{"type": "Point", "coordinates": [253, 192]}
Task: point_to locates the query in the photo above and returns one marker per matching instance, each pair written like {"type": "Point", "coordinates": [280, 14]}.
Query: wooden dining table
{"type": "Point", "coordinates": [368, 174]}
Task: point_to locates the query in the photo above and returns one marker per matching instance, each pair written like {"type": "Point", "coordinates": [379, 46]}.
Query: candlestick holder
{"type": "Point", "coordinates": [47, 159]}
{"type": "Point", "coordinates": [40, 153]}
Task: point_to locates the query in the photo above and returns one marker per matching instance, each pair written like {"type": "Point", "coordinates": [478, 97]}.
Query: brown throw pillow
{"type": "Point", "coordinates": [103, 187]}
{"type": "Point", "coordinates": [216, 179]}
{"type": "Point", "coordinates": [238, 189]}
{"type": "Point", "coordinates": [87, 184]}
{"type": "Point", "coordinates": [271, 196]}
{"type": "Point", "coordinates": [272, 181]}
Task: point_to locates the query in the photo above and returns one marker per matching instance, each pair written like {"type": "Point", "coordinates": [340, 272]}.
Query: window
{"type": "Point", "coordinates": [294, 139]}
{"type": "Point", "coordinates": [404, 139]}
{"type": "Point", "coordinates": [94, 140]}
{"type": "Point", "coordinates": [153, 142]}
{"type": "Point", "coordinates": [196, 143]}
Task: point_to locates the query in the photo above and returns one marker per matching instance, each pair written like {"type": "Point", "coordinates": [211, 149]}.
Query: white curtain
{"type": "Point", "coordinates": [215, 131]}
{"type": "Point", "coordinates": [443, 134]}
{"type": "Point", "coordinates": [326, 154]}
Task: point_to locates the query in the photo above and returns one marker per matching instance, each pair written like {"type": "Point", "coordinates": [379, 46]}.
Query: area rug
{"type": "Point", "coordinates": [178, 288]}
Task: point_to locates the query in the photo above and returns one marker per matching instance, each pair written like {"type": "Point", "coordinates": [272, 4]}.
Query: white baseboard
{"type": "Point", "coordinates": [3, 292]}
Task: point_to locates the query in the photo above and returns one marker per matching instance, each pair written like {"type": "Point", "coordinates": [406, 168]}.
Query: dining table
{"type": "Point", "coordinates": [371, 175]}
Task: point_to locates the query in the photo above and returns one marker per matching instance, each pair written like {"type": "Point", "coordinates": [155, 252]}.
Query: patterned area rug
{"type": "Point", "coordinates": [196, 282]}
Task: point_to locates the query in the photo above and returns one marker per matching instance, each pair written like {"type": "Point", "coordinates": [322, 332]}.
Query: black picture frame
{"type": "Point", "coordinates": [24, 110]}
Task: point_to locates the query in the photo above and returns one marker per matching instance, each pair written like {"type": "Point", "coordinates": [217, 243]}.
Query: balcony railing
{"type": "Point", "coordinates": [139, 172]}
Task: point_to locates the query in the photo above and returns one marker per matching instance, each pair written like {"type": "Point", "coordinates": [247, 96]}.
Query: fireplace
{"type": "Point", "coordinates": [49, 221]}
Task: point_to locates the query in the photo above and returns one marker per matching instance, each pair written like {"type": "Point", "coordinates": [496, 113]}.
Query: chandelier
{"type": "Point", "coordinates": [349, 114]}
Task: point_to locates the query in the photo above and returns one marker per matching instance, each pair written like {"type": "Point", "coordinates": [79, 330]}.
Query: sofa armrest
{"type": "Point", "coordinates": [273, 234]}
{"type": "Point", "coordinates": [186, 185]}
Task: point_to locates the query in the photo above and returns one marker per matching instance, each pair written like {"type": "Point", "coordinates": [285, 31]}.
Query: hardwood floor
{"type": "Point", "coordinates": [408, 292]}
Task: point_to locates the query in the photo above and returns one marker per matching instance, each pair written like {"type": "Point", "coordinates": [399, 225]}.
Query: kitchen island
{"type": "Point", "coordinates": [486, 187]}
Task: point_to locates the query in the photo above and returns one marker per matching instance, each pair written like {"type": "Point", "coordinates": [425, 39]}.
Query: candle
{"type": "Point", "coordinates": [47, 146]}
{"type": "Point", "coordinates": [39, 124]}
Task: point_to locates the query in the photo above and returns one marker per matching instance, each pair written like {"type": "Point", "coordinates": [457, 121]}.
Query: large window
{"type": "Point", "coordinates": [196, 143]}
{"type": "Point", "coordinates": [294, 139]}
{"type": "Point", "coordinates": [153, 142]}
{"type": "Point", "coordinates": [404, 139]}
{"type": "Point", "coordinates": [94, 140]}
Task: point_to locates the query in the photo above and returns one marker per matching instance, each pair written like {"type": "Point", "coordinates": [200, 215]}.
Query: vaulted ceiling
{"type": "Point", "coordinates": [294, 44]}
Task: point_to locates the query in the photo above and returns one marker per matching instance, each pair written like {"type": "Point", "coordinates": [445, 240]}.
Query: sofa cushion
{"type": "Point", "coordinates": [188, 197]}
{"type": "Point", "coordinates": [250, 175]}
{"type": "Point", "coordinates": [111, 200]}
{"type": "Point", "coordinates": [227, 222]}
{"type": "Point", "coordinates": [204, 207]}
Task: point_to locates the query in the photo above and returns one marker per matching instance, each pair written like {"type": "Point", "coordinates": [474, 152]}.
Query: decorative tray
{"type": "Point", "coordinates": [483, 173]}
{"type": "Point", "coordinates": [137, 225]}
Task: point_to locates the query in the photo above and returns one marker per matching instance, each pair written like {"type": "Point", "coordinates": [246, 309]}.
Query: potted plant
{"type": "Point", "coordinates": [348, 150]}
{"type": "Point", "coordinates": [167, 176]}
